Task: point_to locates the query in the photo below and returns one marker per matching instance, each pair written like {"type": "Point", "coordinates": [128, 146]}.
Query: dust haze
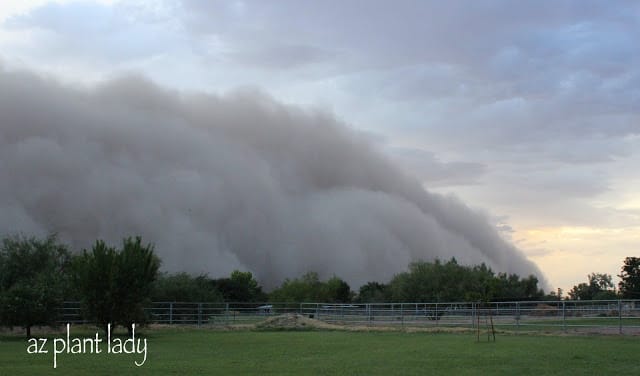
{"type": "Point", "coordinates": [219, 183]}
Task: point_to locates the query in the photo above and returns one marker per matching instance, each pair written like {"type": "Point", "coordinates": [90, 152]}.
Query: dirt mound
{"type": "Point", "coordinates": [544, 310]}
{"type": "Point", "coordinates": [294, 321]}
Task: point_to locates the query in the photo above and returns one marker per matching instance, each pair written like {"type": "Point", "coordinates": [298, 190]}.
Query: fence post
{"type": "Point", "coordinates": [518, 316]}
{"type": "Point", "coordinates": [620, 316]}
{"type": "Point", "coordinates": [171, 313]}
{"type": "Point", "coordinates": [226, 313]}
{"type": "Point", "coordinates": [473, 315]}
{"type": "Point", "coordinates": [199, 314]}
{"type": "Point", "coordinates": [402, 314]}
{"type": "Point", "coordinates": [564, 318]}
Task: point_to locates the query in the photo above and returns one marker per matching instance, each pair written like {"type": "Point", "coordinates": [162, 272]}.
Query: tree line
{"type": "Point", "coordinates": [599, 286]}
{"type": "Point", "coordinates": [115, 283]}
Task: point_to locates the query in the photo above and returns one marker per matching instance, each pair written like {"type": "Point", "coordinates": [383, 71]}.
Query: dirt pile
{"type": "Point", "coordinates": [294, 321]}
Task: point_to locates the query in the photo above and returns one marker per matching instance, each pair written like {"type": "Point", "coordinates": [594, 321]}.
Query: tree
{"type": "Point", "coordinates": [449, 282]}
{"type": "Point", "coordinates": [336, 290]}
{"type": "Point", "coordinates": [32, 280]}
{"type": "Point", "coordinates": [94, 276]}
{"type": "Point", "coordinates": [601, 281]}
{"type": "Point", "coordinates": [303, 289]}
{"type": "Point", "coordinates": [309, 288]}
{"type": "Point", "coordinates": [373, 292]}
{"type": "Point", "coordinates": [602, 286]}
{"type": "Point", "coordinates": [599, 287]}
{"type": "Point", "coordinates": [182, 287]}
{"type": "Point", "coordinates": [553, 295]}
{"type": "Point", "coordinates": [137, 269]}
{"type": "Point", "coordinates": [629, 285]}
{"type": "Point", "coordinates": [240, 287]}
{"type": "Point", "coordinates": [511, 287]}
{"type": "Point", "coordinates": [442, 282]}
{"type": "Point", "coordinates": [115, 285]}
{"type": "Point", "coordinates": [580, 291]}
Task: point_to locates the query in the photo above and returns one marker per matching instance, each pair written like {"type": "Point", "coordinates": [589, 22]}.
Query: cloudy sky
{"type": "Point", "coordinates": [528, 111]}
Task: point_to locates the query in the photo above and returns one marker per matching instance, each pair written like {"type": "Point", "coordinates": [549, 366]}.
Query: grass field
{"type": "Point", "coordinates": [192, 351]}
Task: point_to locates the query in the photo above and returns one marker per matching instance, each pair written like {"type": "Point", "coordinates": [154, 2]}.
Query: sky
{"type": "Point", "coordinates": [528, 111]}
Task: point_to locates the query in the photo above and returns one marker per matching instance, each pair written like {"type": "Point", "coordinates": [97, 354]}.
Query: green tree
{"type": "Point", "coordinates": [115, 285]}
{"type": "Point", "coordinates": [580, 291]}
{"type": "Point", "coordinates": [510, 287]}
{"type": "Point", "coordinates": [240, 287]}
{"type": "Point", "coordinates": [373, 292]}
{"type": "Point", "coordinates": [336, 290]}
{"type": "Point", "coordinates": [94, 277]}
{"type": "Point", "coordinates": [476, 283]}
{"type": "Point", "coordinates": [629, 285]}
{"type": "Point", "coordinates": [304, 289]}
{"type": "Point", "coordinates": [442, 282]}
{"type": "Point", "coordinates": [137, 270]}
{"type": "Point", "coordinates": [32, 280]}
{"type": "Point", "coordinates": [309, 288]}
{"type": "Point", "coordinates": [449, 282]}
{"type": "Point", "coordinates": [182, 287]}
{"type": "Point", "coordinates": [601, 281]}
{"type": "Point", "coordinates": [599, 286]}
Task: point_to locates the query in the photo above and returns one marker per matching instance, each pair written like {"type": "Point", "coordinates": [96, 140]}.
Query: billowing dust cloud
{"type": "Point", "coordinates": [221, 183]}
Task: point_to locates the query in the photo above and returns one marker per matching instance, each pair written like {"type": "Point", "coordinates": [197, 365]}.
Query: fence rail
{"type": "Point", "coordinates": [604, 316]}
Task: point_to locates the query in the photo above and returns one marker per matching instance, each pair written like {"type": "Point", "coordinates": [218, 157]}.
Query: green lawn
{"type": "Point", "coordinates": [191, 351]}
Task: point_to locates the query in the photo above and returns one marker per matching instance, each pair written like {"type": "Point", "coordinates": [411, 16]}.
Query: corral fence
{"type": "Point", "coordinates": [599, 316]}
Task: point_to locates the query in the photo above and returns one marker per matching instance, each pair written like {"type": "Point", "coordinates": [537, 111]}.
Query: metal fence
{"type": "Point", "coordinates": [604, 316]}
{"type": "Point", "coordinates": [597, 316]}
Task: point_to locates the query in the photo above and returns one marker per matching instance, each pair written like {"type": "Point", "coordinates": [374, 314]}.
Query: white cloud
{"type": "Point", "coordinates": [11, 8]}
